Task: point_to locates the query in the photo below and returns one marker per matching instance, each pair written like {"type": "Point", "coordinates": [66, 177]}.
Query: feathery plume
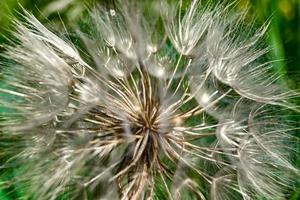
{"type": "Point", "coordinates": [152, 102]}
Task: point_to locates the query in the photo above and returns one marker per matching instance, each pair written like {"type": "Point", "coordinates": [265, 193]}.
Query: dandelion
{"type": "Point", "coordinates": [148, 104]}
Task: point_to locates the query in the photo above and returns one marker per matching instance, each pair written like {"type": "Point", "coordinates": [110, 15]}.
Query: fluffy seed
{"type": "Point", "coordinates": [151, 104]}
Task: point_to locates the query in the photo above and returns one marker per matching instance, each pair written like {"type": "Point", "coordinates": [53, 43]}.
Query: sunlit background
{"type": "Point", "coordinates": [283, 35]}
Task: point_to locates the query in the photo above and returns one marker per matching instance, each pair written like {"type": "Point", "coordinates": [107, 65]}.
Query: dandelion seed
{"type": "Point", "coordinates": [189, 114]}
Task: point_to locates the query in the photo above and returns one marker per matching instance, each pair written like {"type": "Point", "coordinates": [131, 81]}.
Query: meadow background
{"type": "Point", "coordinates": [283, 35]}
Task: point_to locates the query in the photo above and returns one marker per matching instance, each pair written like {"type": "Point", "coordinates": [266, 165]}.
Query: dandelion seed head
{"type": "Point", "coordinates": [146, 113]}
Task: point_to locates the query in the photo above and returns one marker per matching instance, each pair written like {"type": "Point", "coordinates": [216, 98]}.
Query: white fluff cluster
{"type": "Point", "coordinates": [155, 102]}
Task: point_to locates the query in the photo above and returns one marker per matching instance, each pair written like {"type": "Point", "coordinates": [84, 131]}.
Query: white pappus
{"type": "Point", "coordinates": [152, 101]}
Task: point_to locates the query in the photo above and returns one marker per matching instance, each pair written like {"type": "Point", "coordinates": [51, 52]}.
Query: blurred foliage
{"type": "Point", "coordinates": [283, 35]}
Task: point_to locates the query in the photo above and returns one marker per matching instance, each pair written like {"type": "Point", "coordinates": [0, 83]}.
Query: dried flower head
{"type": "Point", "coordinates": [152, 102]}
